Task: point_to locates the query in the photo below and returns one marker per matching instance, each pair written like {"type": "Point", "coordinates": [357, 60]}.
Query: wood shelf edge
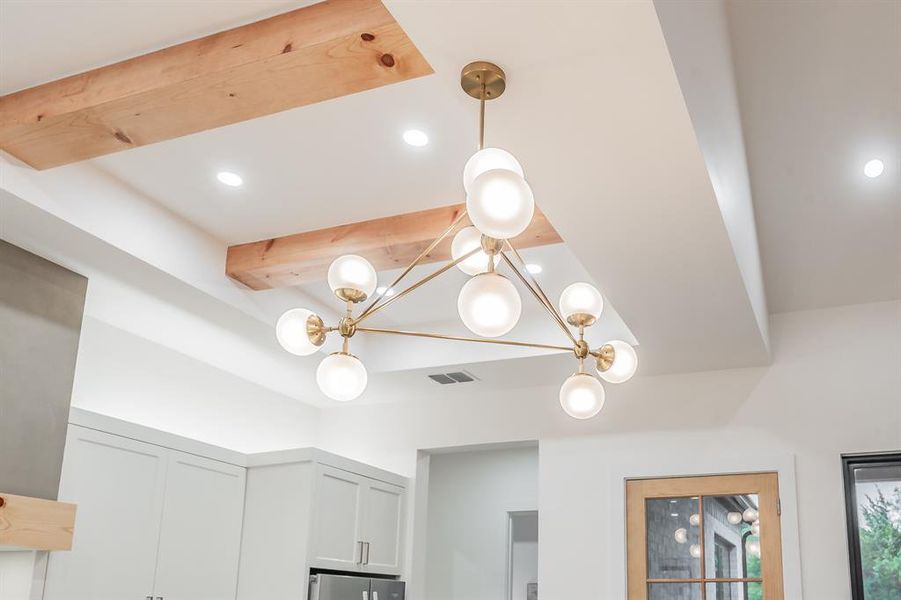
{"type": "Point", "coordinates": [36, 524]}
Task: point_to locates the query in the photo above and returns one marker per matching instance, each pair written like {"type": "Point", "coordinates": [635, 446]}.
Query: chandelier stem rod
{"type": "Point", "coordinates": [441, 336]}
{"type": "Point", "coordinates": [416, 285]}
{"type": "Point", "coordinates": [415, 262]}
{"type": "Point", "coordinates": [482, 118]}
{"type": "Point", "coordinates": [542, 299]}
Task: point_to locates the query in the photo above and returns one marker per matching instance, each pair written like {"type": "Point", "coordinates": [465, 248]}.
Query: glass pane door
{"type": "Point", "coordinates": [703, 538]}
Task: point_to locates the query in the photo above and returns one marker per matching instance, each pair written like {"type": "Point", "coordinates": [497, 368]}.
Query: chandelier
{"type": "Point", "coordinates": [500, 206]}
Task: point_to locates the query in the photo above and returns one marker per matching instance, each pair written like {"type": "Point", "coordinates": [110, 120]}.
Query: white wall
{"type": "Point", "coordinates": [127, 377]}
{"type": "Point", "coordinates": [834, 386]}
{"type": "Point", "coordinates": [470, 496]}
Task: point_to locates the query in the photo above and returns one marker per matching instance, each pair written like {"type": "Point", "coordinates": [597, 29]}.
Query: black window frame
{"type": "Point", "coordinates": [849, 463]}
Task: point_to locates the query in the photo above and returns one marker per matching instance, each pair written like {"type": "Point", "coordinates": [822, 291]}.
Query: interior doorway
{"type": "Point", "coordinates": [522, 579]}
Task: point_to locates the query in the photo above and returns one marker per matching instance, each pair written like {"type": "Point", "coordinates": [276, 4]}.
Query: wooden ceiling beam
{"type": "Point", "coordinates": [388, 243]}
{"type": "Point", "coordinates": [323, 51]}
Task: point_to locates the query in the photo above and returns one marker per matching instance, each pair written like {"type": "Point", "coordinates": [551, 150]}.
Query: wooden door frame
{"type": "Point", "coordinates": [765, 485]}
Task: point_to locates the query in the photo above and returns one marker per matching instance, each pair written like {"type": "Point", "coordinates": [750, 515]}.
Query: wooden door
{"type": "Point", "coordinates": [200, 534]}
{"type": "Point", "coordinates": [383, 527]}
{"type": "Point", "coordinates": [118, 486]}
{"type": "Point", "coordinates": [704, 538]}
{"type": "Point", "coordinates": [337, 520]}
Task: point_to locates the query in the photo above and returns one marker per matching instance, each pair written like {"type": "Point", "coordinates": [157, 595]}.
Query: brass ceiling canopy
{"type": "Point", "coordinates": [477, 74]}
{"type": "Point", "coordinates": [500, 206]}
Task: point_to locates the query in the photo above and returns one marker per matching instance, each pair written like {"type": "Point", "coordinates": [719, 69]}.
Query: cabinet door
{"type": "Point", "coordinates": [383, 527]}
{"type": "Point", "coordinates": [200, 535]}
{"type": "Point", "coordinates": [337, 519]}
{"type": "Point", "coordinates": [118, 486]}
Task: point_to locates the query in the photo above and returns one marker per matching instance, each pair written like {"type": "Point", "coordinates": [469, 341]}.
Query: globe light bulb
{"type": "Point", "coordinates": [500, 203]}
{"type": "Point", "coordinates": [354, 273]}
{"type": "Point", "coordinates": [755, 528]}
{"type": "Point", "coordinates": [625, 363]}
{"type": "Point", "coordinates": [293, 328]}
{"type": "Point", "coordinates": [750, 515]}
{"type": "Point", "coordinates": [489, 305]}
{"type": "Point", "coordinates": [341, 376]}
{"type": "Point", "coordinates": [466, 240]}
{"type": "Point", "coordinates": [753, 547]}
{"type": "Point", "coordinates": [695, 550]}
{"type": "Point", "coordinates": [681, 535]}
{"type": "Point", "coordinates": [734, 518]}
{"type": "Point", "coordinates": [581, 302]}
{"type": "Point", "coordinates": [694, 520]}
{"type": "Point", "coordinates": [487, 159]}
{"type": "Point", "coordinates": [582, 396]}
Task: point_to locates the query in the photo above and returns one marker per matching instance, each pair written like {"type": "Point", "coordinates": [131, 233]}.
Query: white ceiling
{"type": "Point", "coordinates": [820, 91]}
{"type": "Point", "coordinates": [596, 115]}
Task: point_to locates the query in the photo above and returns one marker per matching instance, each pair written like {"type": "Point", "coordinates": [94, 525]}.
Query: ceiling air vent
{"type": "Point", "coordinates": [455, 377]}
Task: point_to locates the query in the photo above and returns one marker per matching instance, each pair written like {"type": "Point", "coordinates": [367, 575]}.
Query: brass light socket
{"type": "Point", "coordinates": [606, 356]}
{"type": "Point", "coordinates": [581, 319]}
{"type": "Point", "coordinates": [351, 295]}
{"type": "Point", "coordinates": [491, 246]}
{"type": "Point", "coordinates": [315, 330]}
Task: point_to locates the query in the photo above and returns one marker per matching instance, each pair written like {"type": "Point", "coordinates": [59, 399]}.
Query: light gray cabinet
{"type": "Point", "coordinates": [151, 521]}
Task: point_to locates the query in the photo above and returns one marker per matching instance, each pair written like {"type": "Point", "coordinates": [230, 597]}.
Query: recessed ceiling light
{"type": "Point", "coordinates": [382, 290]}
{"type": "Point", "coordinates": [415, 137]}
{"type": "Point", "coordinates": [533, 268]}
{"type": "Point", "coordinates": [873, 168]}
{"type": "Point", "coordinates": [229, 178]}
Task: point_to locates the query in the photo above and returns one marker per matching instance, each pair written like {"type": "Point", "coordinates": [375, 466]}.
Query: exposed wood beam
{"type": "Point", "coordinates": [323, 51]}
{"type": "Point", "coordinates": [388, 243]}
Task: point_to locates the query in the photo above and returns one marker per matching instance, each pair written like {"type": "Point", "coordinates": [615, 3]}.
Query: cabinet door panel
{"type": "Point", "coordinates": [118, 485]}
{"type": "Point", "coordinates": [337, 519]}
{"type": "Point", "coordinates": [383, 527]}
{"type": "Point", "coordinates": [200, 535]}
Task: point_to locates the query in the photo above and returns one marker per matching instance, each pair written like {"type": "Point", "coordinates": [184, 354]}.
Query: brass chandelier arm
{"type": "Point", "coordinates": [458, 338]}
{"type": "Point", "coordinates": [541, 297]}
{"type": "Point", "coordinates": [415, 262]}
{"type": "Point", "coordinates": [414, 286]}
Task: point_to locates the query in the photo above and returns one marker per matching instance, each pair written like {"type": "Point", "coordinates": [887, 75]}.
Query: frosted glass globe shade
{"type": "Point", "coordinates": [681, 535]}
{"type": "Point", "coordinates": [581, 298]}
{"type": "Point", "coordinates": [467, 239]}
{"type": "Point", "coordinates": [625, 363]}
{"type": "Point", "coordinates": [500, 203]}
{"type": "Point", "coordinates": [694, 520]}
{"type": "Point", "coordinates": [582, 396]}
{"type": "Point", "coordinates": [341, 377]}
{"type": "Point", "coordinates": [750, 515]}
{"type": "Point", "coordinates": [291, 332]}
{"type": "Point", "coordinates": [487, 159]}
{"type": "Point", "coordinates": [352, 272]}
{"type": "Point", "coordinates": [489, 305]}
{"type": "Point", "coordinates": [734, 518]}
{"type": "Point", "coordinates": [755, 528]}
{"type": "Point", "coordinates": [753, 547]}
{"type": "Point", "coordinates": [695, 550]}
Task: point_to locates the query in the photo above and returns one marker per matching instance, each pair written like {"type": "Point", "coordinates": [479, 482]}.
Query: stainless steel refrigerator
{"type": "Point", "coordinates": [347, 587]}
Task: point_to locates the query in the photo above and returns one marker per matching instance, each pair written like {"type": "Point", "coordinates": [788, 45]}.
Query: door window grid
{"type": "Point", "coordinates": [728, 574]}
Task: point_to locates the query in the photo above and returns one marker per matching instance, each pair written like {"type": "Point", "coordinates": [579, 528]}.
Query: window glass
{"type": "Point", "coordinates": [873, 495]}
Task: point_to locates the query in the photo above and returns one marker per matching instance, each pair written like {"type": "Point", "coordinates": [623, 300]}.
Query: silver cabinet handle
{"type": "Point", "coordinates": [365, 595]}
{"type": "Point", "coordinates": [366, 562]}
{"type": "Point", "coordinates": [359, 562]}
{"type": "Point", "coordinates": [375, 596]}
